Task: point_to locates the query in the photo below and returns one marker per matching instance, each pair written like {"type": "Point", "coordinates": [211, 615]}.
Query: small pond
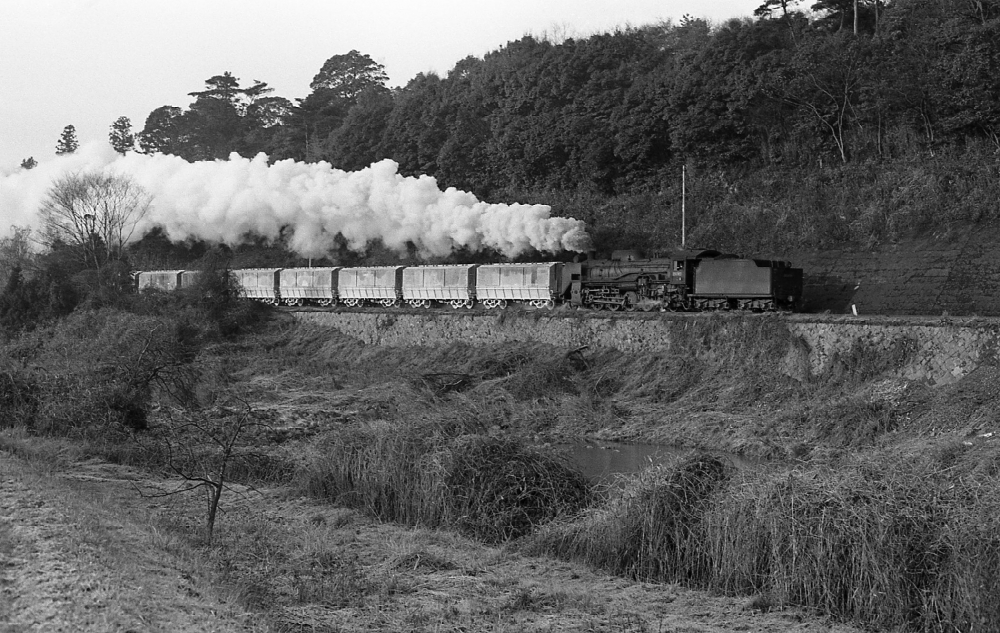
{"type": "Point", "coordinates": [602, 461]}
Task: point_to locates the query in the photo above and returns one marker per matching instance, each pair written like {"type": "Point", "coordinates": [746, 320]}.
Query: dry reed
{"type": "Point", "coordinates": [495, 489]}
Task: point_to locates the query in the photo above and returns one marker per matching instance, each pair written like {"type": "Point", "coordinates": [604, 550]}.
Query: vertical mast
{"type": "Point", "coordinates": [683, 209]}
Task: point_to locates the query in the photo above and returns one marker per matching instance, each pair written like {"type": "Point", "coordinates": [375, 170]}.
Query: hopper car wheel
{"type": "Point", "coordinates": [489, 304]}
{"type": "Point", "coordinates": [390, 303]}
{"type": "Point", "coordinates": [543, 304]}
{"type": "Point", "coordinates": [426, 303]}
{"type": "Point", "coordinates": [501, 303]}
{"type": "Point", "coordinates": [293, 302]}
{"type": "Point", "coordinates": [352, 303]}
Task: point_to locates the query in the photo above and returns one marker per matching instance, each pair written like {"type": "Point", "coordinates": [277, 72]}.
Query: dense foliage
{"type": "Point", "coordinates": [599, 126]}
{"type": "Point", "coordinates": [609, 112]}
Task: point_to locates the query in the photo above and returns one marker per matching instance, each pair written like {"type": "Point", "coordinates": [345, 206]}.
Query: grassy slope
{"type": "Point", "coordinates": [895, 236]}
{"type": "Point", "coordinates": [871, 448]}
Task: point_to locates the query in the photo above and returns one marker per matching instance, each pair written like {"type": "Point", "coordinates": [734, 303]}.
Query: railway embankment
{"type": "Point", "coordinates": [936, 351]}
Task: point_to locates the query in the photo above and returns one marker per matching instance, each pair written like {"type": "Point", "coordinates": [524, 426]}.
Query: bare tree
{"type": "Point", "coordinates": [95, 211]}
{"type": "Point", "coordinates": [202, 448]}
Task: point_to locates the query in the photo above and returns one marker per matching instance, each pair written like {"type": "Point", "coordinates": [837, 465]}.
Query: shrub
{"type": "Point", "coordinates": [18, 399]}
{"type": "Point", "coordinates": [495, 489]}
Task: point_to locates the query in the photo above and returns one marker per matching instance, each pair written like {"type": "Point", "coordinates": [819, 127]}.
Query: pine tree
{"type": "Point", "coordinates": [67, 142]}
{"type": "Point", "coordinates": [122, 139]}
{"type": "Point", "coordinates": [29, 163]}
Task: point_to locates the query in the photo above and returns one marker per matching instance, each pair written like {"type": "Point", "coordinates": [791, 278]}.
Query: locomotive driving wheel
{"type": "Point", "coordinates": [630, 301]}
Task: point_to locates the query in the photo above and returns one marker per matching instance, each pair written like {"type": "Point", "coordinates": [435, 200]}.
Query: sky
{"type": "Point", "coordinates": [88, 62]}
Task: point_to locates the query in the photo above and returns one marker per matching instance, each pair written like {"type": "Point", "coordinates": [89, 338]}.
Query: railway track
{"type": "Point", "coordinates": [565, 311]}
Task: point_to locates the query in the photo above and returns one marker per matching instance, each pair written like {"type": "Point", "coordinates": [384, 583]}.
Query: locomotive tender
{"type": "Point", "coordinates": [679, 281]}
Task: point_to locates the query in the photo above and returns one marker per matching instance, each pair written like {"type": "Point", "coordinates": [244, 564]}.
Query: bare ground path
{"type": "Point", "coordinates": [68, 564]}
{"type": "Point", "coordinates": [80, 550]}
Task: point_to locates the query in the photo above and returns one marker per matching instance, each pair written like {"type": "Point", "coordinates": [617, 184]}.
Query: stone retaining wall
{"type": "Point", "coordinates": [957, 275]}
{"type": "Point", "coordinates": [936, 351]}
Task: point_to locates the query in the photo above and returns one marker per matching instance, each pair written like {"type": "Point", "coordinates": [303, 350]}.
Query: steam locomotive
{"type": "Point", "coordinates": [683, 280]}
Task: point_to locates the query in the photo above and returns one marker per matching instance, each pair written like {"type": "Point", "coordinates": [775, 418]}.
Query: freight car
{"type": "Point", "coordinates": [454, 285]}
{"type": "Point", "coordinates": [693, 280]}
{"type": "Point", "coordinates": [166, 279]}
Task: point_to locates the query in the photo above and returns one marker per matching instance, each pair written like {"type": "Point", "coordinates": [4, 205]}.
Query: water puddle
{"type": "Point", "coordinates": [602, 462]}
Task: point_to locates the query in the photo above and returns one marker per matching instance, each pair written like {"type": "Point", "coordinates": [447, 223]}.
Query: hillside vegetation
{"type": "Point", "coordinates": [798, 130]}
{"type": "Point", "coordinates": [873, 501]}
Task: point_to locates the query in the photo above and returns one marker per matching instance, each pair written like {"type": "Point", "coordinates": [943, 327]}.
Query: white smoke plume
{"type": "Point", "coordinates": [222, 201]}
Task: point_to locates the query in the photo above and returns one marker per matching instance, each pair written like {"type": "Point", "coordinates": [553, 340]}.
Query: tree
{"type": "Point", "coordinates": [15, 252]}
{"type": "Point", "coordinates": [347, 76]}
{"type": "Point", "coordinates": [94, 211]}
{"type": "Point", "coordinates": [355, 144]}
{"type": "Point", "coordinates": [766, 9]}
{"type": "Point", "coordinates": [224, 87]}
{"type": "Point", "coordinates": [29, 163]}
{"type": "Point", "coordinates": [67, 141]}
{"type": "Point", "coordinates": [22, 303]}
{"type": "Point", "coordinates": [335, 90]}
{"type": "Point", "coordinates": [163, 132]}
{"type": "Point", "coordinates": [202, 447]}
{"type": "Point", "coordinates": [213, 129]}
{"type": "Point", "coordinates": [823, 78]}
{"type": "Point", "coordinates": [121, 137]}
{"type": "Point", "coordinates": [223, 118]}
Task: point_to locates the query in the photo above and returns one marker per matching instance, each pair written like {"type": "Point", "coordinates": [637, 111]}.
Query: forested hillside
{"type": "Point", "coordinates": [804, 127]}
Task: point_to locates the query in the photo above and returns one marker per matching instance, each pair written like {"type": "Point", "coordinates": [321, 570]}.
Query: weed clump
{"type": "Point", "coordinates": [500, 489]}
{"type": "Point", "coordinates": [648, 531]}
{"type": "Point", "coordinates": [880, 541]}
{"type": "Point", "coordinates": [492, 488]}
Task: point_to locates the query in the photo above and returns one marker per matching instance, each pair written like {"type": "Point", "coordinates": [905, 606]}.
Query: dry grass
{"type": "Point", "coordinates": [82, 557]}
{"type": "Point", "coordinates": [493, 488]}
{"type": "Point", "coordinates": [881, 542]}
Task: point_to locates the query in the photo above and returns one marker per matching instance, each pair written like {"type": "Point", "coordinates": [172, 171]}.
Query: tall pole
{"type": "Point", "coordinates": [683, 207]}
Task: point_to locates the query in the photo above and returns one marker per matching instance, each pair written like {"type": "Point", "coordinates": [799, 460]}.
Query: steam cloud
{"type": "Point", "coordinates": [222, 201]}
